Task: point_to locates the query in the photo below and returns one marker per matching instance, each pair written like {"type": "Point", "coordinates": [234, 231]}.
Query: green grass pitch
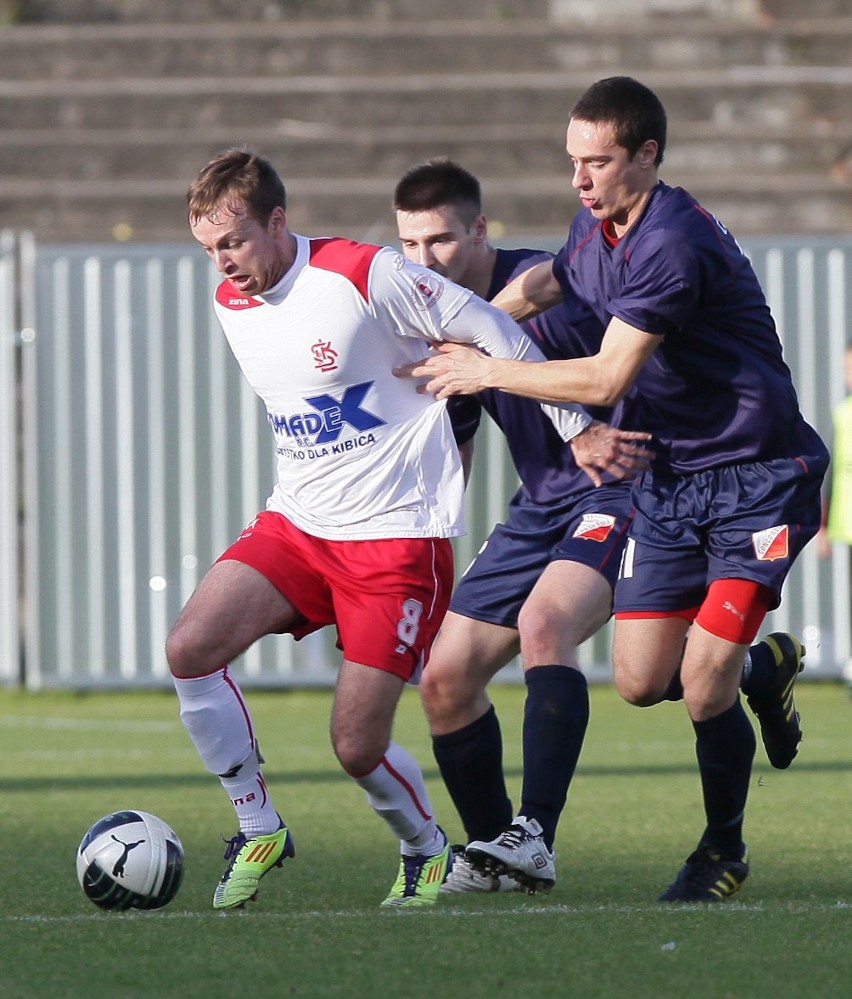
{"type": "Point", "coordinates": [632, 817]}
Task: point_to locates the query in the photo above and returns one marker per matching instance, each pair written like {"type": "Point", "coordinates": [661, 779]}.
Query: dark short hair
{"type": "Point", "coordinates": [439, 182]}
{"type": "Point", "coordinates": [634, 111]}
{"type": "Point", "coordinates": [241, 177]}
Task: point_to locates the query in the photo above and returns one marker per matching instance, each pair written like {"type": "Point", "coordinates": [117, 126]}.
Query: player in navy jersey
{"type": "Point", "coordinates": [541, 584]}
{"type": "Point", "coordinates": [733, 493]}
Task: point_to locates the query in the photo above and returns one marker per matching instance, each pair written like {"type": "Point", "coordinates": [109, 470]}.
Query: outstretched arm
{"type": "Point", "coordinates": [497, 335]}
{"type": "Point", "coordinates": [601, 380]}
{"type": "Point", "coordinates": [530, 293]}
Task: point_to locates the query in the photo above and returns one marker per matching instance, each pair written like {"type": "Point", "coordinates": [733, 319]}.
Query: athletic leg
{"type": "Point", "coordinates": [362, 720]}
{"type": "Point", "coordinates": [568, 604]}
{"type": "Point", "coordinates": [466, 738]}
{"type": "Point", "coordinates": [232, 607]}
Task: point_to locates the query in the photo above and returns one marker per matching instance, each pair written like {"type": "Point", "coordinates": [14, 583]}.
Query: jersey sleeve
{"type": "Point", "coordinates": [496, 333]}
{"type": "Point", "coordinates": [424, 304]}
{"type": "Point", "coordinates": [414, 299]}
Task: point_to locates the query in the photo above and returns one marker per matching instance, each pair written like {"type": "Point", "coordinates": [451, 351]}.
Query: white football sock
{"type": "Point", "coordinates": [247, 791]}
{"type": "Point", "coordinates": [218, 721]}
{"type": "Point", "coordinates": [397, 793]}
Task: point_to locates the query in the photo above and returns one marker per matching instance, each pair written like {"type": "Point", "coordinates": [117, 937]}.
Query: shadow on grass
{"type": "Point", "coordinates": [93, 781]}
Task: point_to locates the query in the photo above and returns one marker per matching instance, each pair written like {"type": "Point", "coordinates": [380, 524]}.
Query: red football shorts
{"type": "Point", "coordinates": [386, 597]}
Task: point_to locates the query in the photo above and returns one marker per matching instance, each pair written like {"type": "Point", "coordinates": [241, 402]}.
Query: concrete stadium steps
{"type": "Point", "coordinates": [747, 95]}
{"type": "Point", "coordinates": [537, 208]}
{"type": "Point", "coordinates": [785, 10]}
{"type": "Point", "coordinates": [197, 11]}
{"type": "Point", "coordinates": [103, 125]}
{"type": "Point", "coordinates": [155, 51]}
{"type": "Point", "coordinates": [607, 12]}
{"type": "Point", "coordinates": [305, 149]}
{"type": "Point", "coordinates": [269, 11]}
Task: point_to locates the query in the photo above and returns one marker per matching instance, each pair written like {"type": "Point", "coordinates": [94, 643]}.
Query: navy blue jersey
{"type": "Point", "coordinates": [717, 390]}
{"type": "Point", "coordinates": [543, 461]}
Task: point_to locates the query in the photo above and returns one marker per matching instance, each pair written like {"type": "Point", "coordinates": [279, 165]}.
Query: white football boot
{"type": "Point", "coordinates": [520, 853]}
{"type": "Point", "coordinates": [464, 878]}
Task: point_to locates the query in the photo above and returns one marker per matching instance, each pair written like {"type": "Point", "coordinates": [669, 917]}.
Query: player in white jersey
{"type": "Point", "coordinates": [356, 532]}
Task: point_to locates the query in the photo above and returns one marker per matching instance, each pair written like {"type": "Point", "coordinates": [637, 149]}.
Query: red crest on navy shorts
{"type": "Point", "coordinates": [772, 544]}
{"type": "Point", "coordinates": [595, 526]}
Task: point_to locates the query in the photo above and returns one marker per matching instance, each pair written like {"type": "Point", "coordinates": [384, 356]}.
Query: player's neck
{"type": "Point", "coordinates": [634, 213]}
{"type": "Point", "coordinates": [482, 271]}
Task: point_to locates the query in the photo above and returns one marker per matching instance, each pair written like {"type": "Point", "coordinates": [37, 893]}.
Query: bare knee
{"type": "Point", "coordinates": [638, 686]}
{"type": "Point", "coordinates": [443, 691]}
{"type": "Point", "coordinates": [545, 640]}
{"type": "Point", "coordinates": [185, 653]}
{"type": "Point", "coordinates": [636, 693]}
{"type": "Point", "coordinates": [646, 655]}
{"type": "Point", "coordinates": [359, 753]}
{"type": "Point", "coordinates": [452, 698]}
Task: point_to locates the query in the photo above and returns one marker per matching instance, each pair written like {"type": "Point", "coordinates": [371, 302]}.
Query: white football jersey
{"type": "Point", "coordinates": [360, 453]}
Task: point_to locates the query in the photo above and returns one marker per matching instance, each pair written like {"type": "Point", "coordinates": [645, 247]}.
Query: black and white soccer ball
{"type": "Point", "coordinates": [130, 860]}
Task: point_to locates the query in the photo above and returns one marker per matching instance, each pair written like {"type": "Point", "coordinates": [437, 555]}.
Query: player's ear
{"type": "Point", "coordinates": [480, 228]}
{"type": "Point", "coordinates": [277, 221]}
{"type": "Point", "coordinates": [647, 155]}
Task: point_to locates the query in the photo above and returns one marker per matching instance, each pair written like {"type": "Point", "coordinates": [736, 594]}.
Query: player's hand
{"type": "Point", "coordinates": [619, 454]}
{"type": "Point", "coordinates": [453, 369]}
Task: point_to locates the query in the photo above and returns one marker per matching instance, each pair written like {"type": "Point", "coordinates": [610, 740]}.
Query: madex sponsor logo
{"type": "Point", "coordinates": [327, 418]}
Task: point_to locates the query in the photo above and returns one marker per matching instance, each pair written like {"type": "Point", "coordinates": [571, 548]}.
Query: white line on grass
{"type": "Point", "coordinates": [79, 754]}
{"type": "Point", "coordinates": [89, 724]}
{"type": "Point", "coordinates": [440, 911]}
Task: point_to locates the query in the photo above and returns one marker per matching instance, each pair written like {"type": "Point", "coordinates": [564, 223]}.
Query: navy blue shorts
{"type": "Point", "coordinates": [745, 521]}
{"type": "Point", "coordinates": [590, 529]}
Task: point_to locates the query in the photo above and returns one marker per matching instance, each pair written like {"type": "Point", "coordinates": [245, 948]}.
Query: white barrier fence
{"type": "Point", "coordinates": [132, 453]}
{"type": "Point", "coordinates": [10, 607]}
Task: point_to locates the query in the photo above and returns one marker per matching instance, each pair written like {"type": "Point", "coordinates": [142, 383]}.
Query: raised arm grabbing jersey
{"type": "Point", "coordinates": [361, 454]}
{"type": "Point", "coordinates": [545, 464]}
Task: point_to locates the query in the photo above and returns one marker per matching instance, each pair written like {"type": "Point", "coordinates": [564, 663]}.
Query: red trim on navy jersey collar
{"type": "Point", "coordinates": [608, 230]}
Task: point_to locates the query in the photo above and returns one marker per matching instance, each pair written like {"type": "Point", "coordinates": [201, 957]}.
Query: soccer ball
{"type": "Point", "coordinates": [130, 860]}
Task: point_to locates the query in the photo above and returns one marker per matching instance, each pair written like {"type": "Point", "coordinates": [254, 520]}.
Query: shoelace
{"type": "Point", "coordinates": [233, 847]}
{"type": "Point", "coordinates": [413, 867]}
{"type": "Point", "coordinates": [512, 837]}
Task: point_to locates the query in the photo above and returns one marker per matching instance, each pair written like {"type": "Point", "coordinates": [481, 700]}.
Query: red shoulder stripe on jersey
{"type": "Point", "coordinates": [718, 229]}
{"type": "Point", "coordinates": [589, 236]}
{"type": "Point", "coordinates": [345, 257]}
{"type": "Point", "coordinates": [227, 295]}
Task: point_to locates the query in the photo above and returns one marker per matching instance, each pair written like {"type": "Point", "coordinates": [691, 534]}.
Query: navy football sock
{"type": "Point", "coordinates": [471, 763]}
{"type": "Point", "coordinates": [556, 715]}
{"type": "Point", "coordinates": [725, 747]}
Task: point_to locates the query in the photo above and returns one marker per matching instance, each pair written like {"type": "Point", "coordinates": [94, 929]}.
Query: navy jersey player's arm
{"type": "Point", "coordinates": [603, 379]}
{"type": "Point", "coordinates": [478, 323]}
{"type": "Point", "coordinates": [599, 448]}
{"type": "Point", "coordinates": [427, 306]}
{"type": "Point", "coordinates": [530, 293]}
